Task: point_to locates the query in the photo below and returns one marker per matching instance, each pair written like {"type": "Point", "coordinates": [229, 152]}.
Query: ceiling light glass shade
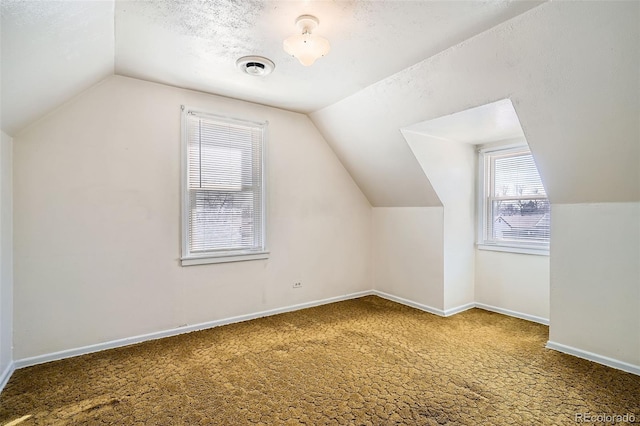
{"type": "Point", "coordinates": [306, 47]}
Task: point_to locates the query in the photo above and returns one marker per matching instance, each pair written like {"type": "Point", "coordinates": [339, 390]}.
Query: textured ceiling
{"type": "Point", "coordinates": [52, 50]}
{"type": "Point", "coordinates": [195, 45]}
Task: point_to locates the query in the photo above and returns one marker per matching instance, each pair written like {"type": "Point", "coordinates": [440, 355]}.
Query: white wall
{"type": "Point", "coordinates": [6, 253]}
{"type": "Point", "coordinates": [506, 281]}
{"type": "Point", "coordinates": [408, 259]}
{"type": "Point", "coordinates": [595, 276]}
{"type": "Point", "coordinates": [450, 167]}
{"type": "Point", "coordinates": [97, 225]}
{"type": "Point", "coordinates": [514, 282]}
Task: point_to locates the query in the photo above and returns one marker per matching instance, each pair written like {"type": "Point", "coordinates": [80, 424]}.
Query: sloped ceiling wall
{"type": "Point", "coordinates": [62, 49]}
{"type": "Point", "coordinates": [571, 70]}
{"type": "Point", "coordinates": [53, 50]}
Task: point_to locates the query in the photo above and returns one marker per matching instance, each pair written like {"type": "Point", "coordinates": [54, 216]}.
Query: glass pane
{"type": "Point", "coordinates": [517, 176]}
{"type": "Point", "coordinates": [221, 220]}
{"type": "Point", "coordinates": [523, 219]}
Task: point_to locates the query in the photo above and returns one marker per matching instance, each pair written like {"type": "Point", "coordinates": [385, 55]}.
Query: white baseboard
{"type": "Point", "coordinates": [453, 311]}
{"type": "Point", "coordinates": [55, 356]}
{"type": "Point", "coordinates": [590, 356]}
{"type": "Point", "coordinates": [511, 313]}
{"type": "Point", "coordinates": [426, 308]}
{"type": "Point", "coordinates": [6, 375]}
{"type": "Point", "coordinates": [458, 309]}
{"type": "Point", "coordinates": [40, 359]}
{"type": "Point", "coordinates": [408, 302]}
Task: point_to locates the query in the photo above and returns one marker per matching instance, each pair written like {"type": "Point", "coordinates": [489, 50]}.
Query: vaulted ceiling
{"type": "Point", "coordinates": [53, 50]}
{"type": "Point", "coordinates": [570, 69]}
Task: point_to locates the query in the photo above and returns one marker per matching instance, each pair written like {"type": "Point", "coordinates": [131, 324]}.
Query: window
{"type": "Point", "coordinates": [514, 209]}
{"type": "Point", "coordinates": [223, 214]}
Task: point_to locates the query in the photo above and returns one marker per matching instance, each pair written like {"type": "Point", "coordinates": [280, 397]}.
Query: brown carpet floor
{"type": "Point", "coordinates": [366, 361]}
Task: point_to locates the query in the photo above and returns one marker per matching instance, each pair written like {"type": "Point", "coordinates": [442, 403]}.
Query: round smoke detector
{"type": "Point", "coordinates": [255, 65]}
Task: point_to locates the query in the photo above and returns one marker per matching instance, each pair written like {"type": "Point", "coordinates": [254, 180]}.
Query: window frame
{"type": "Point", "coordinates": [219, 256]}
{"type": "Point", "coordinates": [485, 197]}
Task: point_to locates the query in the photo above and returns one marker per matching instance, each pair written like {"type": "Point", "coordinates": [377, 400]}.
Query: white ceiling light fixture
{"type": "Point", "coordinates": [255, 65]}
{"type": "Point", "coordinates": [306, 47]}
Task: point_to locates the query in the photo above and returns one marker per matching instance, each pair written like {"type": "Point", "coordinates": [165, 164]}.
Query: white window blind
{"type": "Point", "coordinates": [516, 210]}
{"type": "Point", "coordinates": [224, 194]}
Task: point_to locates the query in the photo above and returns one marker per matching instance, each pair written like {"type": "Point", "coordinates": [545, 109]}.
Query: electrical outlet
{"type": "Point", "coordinates": [297, 285]}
